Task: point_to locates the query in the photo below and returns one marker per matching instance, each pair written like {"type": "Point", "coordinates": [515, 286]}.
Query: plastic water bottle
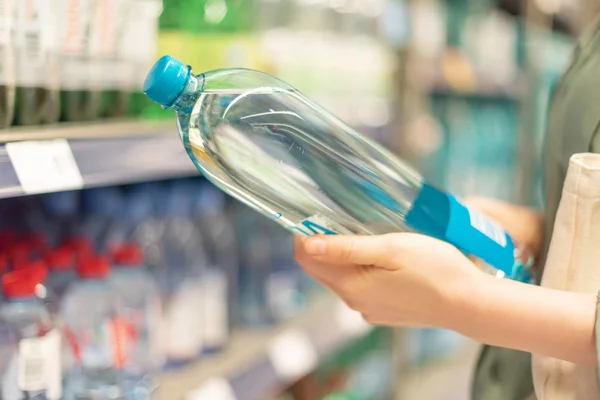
{"type": "Point", "coordinates": [36, 43]}
{"type": "Point", "coordinates": [97, 334]}
{"type": "Point", "coordinates": [264, 143]}
{"type": "Point", "coordinates": [142, 309]}
{"type": "Point", "coordinates": [7, 63]}
{"type": "Point", "coordinates": [60, 211]}
{"type": "Point", "coordinates": [135, 211]}
{"type": "Point", "coordinates": [254, 253]}
{"type": "Point", "coordinates": [80, 92]}
{"type": "Point", "coordinates": [219, 279]}
{"type": "Point", "coordinates": [184, 264]}
{"type": "Point", "coordinates": [34, 370]}
{"type": "Point", "coordinates": [9, 347]}
{"type": "Point", "coordinates": [43, 292]}
{"type": "Point", "coordinates": [108, 24]}
{"type": "Point", "coordinates": [102, 207]}
{"type": "Point", "coordinates": [139, 45]}
{"type": "Point", "coordinates": [61, 263]}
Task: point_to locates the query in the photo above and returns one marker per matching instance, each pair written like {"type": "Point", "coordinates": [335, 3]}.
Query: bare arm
{"type": "Point", "coordinates": [530, 318]}
{"type": "Point", "coordinates": [406, 279]}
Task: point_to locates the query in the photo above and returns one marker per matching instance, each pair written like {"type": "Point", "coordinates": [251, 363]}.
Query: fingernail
{"type": "Point", "coordinates": [315, 246]}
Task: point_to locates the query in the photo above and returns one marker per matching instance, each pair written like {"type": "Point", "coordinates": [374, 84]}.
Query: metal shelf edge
{"type": "Point", "coordinates": [107, 153]}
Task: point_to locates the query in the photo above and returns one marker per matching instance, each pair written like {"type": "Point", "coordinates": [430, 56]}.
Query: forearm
{"type": "Point", "coordinates": [530, 318]}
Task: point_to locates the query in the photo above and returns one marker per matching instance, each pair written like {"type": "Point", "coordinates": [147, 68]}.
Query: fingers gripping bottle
{"type": "Point", "coordinates": [264, 143]}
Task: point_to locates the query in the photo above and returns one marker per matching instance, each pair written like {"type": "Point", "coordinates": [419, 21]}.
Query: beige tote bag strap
{"type": "Point", "coordinates": [573, 264]}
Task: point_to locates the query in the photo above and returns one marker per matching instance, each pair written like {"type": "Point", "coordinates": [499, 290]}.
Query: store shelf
{"type": "Point", "coordinates": [479, 91]}
{"type": "Point", "coordinates": [104, 154]}
{"type": "Point", "coordinates": [257, 364]}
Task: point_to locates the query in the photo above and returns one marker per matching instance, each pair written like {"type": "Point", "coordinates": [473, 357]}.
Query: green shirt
{"type": "Point", "coordinates": [574, 123]}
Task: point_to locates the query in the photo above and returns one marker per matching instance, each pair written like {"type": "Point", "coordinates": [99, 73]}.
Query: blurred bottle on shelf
{"type": "Point", "coordinates": [108, 25]}
{"type": "Point", "coordinates": [170, 36]}
{"type": "Point", "coordinates": [142, 312]}
{"type": "Point", "coordinates": [254, 251]}
{"type": "Point", "coordinates": [99, 334]}
{"type": "Point", "coordinates": [59, 220]}
{"type": "Point", "coordinates": [101, 207]}
{"type": "Point", "coordinates": [80, 86]}
{"type": "Point", "coordinates": [39, 268]}
{"type": "Point", "coordinates": [139, 45]}
{"type": "Point", "coordinates": [33, 371]}
{"type": "Point", "coordinates": [221, 274]}
{"type": "Point", "coordinates": [302, 167]}
{"type": "Point", "coordinates": [7, 63]}
{"type": "Point", "coordinates": [36, 45]}
{"type": "Point", "coordinates": [284, 285]}
{"type": "Point", "coordinates": [9, 347]}
{"type": "Point", "coordinates": [183, 261]}
{"type": "Point", "coordinates": [61, 264]}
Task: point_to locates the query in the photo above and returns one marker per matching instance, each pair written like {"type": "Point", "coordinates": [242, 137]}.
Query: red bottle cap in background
{"type": "Point", "coordinates": [36, 241]}
{"type": "Point", "coordinates": [24, 282]}
{"type": "Point", "coordinates": [4, 264]}
{"type": "Point", "coordinates": [60, 259]}
{"type": "Point", "coordinates": [34, 267]}
{"type": "Point", "coordinates": [93, 267]}
{"type": "Point", "coordinates": [8, 237]}
{"type": "Point", "coordinates": [19, 253]}
{"type": "Point", "coordinates": [128, 255]}
{"type": "Point", "coordinates": [81, 245]}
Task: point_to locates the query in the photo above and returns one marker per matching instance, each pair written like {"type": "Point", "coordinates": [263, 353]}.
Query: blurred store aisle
{"type": "Point", "coordinates": [445, 380]}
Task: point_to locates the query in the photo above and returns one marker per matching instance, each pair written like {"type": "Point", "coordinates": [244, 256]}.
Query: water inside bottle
{"type": "Point", "coordinates": [314, 167]}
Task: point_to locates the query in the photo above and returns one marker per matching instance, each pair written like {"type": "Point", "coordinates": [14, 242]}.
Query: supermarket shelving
{"type": "Point", "coordinates": [482, 90]}
{"type": "Point", "coordinates": [105, 153]}
{"type": "Point", "coordinates": [260, 363]}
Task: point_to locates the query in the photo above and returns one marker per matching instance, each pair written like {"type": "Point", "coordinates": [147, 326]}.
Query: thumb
{"type": "Point", "coordinates": [360, 250]}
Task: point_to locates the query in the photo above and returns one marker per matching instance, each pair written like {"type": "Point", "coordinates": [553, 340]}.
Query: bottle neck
{"type": "Point", "coordinates": [188, 97]}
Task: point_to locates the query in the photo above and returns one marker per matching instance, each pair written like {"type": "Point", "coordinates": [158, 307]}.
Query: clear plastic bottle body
{"type": "Point", "coordinates": [267, 145]}
{"type": "Point", "coordinates": [264, 143]}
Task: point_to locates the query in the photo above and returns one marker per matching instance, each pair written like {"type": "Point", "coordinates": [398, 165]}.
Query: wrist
{"type": "Point", "coordinates": [465, 301]}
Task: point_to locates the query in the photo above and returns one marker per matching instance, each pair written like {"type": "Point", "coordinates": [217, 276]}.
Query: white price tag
{"type": "Point", "coordinates": [349, 321]}
{"type": "Point", "coordinates": [214, 389]}
{"type": "Point", "coordinates": [292, 355]}
{"type": "Point", "coordinates": [44, 166]}
{"type": "Point", "coordinates": [39, 365]}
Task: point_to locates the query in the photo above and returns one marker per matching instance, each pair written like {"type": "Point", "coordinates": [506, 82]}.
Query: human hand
{"type": "Point", "coordinates": [401, 279]}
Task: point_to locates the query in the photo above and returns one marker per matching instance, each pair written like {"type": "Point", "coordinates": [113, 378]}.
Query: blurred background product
{"type": "Point", "coordinates": [37, 74]}
{"type": "Point", "coordinates": [155, 285]}
{"type": "Point", "coordinates": [7, 63]}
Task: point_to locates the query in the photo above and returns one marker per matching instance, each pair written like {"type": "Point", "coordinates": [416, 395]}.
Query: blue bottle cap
{"type": "Point", "coordinates": [166, 80]}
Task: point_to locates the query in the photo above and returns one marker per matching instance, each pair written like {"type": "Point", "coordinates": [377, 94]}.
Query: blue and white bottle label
{"type": "Point", "coordinates": [477, 235]}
